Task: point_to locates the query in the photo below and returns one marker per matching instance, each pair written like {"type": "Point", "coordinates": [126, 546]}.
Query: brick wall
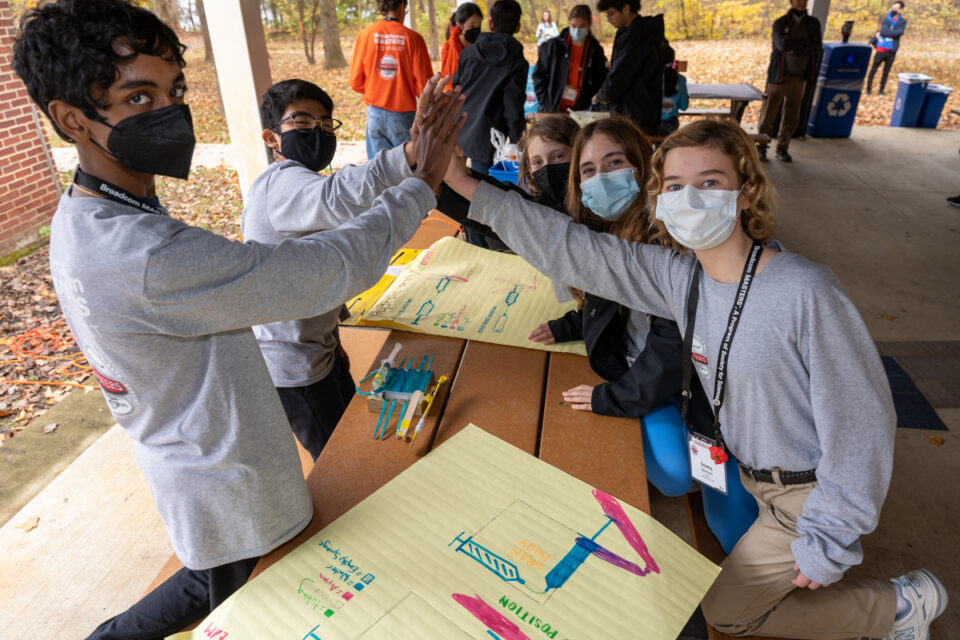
{"type": "Point", "coordinates": [28, 190]}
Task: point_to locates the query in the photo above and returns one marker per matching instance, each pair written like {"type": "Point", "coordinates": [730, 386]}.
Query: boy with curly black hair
{"type": "Point", "coordinates": [162, 311]}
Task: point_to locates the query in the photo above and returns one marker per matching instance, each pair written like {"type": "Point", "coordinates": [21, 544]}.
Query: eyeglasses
{"type": "Point", "coordinates": [305, 123]}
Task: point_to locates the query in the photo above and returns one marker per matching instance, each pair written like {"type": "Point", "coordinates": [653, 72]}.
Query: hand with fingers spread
{"type": "Point", "coordinates": [580, 397]}
{"type": "Point", "coordinates": [432, 91]}
{"type": "Point", "coordinates": [542, 334]}
{"type": "Point", "coordinates": [439, 129]}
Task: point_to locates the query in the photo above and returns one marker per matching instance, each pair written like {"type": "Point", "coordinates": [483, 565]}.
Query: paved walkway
{"type": "Point", "coordinates": [215, 155]}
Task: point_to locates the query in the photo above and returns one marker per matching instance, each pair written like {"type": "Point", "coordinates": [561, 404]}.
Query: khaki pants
{"type": "Point", "coordinates": [788, 93]}
{"type": "Point", "coordinates": [753, 594]}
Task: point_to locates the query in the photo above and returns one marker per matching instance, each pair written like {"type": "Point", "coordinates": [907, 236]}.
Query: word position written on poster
{"type": "Point", "coordinates": [456, 289]}
{"type": "Point", "coordinates": [476, 540]}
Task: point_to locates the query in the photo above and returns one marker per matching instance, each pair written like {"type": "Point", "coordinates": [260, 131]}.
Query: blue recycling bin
{"type": "Point", "coordinates": [934, 100]}
{"type": "Point", "coordinates": [839, 85]}
{"type": "Point", "coordinates": [911, 88]}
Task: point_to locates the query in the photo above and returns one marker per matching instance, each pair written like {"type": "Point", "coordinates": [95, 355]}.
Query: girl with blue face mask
{"type": "Point", "coordinates": [638, 354]}
{"type": "Point", "coordinates": [799, 393]}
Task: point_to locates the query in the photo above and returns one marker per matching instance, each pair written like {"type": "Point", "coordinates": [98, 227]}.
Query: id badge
{"type": "Point", "coordinates": [570, 93]}
{"type": "Point", "coordinates": [704, 468]}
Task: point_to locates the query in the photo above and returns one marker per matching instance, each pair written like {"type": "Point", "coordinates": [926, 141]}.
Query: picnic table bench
{"type": "Point", "coordinates": [739, 95]}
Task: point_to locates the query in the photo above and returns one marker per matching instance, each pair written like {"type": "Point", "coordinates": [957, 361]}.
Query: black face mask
{"type": "Point", "coordinates": [551, 180]}
{"type": "Point", "coordinates": [313, 149]}
{"type": "Point", "coordinates": [157, 142]}
{"type": "Point", "coordinates": [470, 35]}
{"type": "Point", "coordinates": [894, 12]}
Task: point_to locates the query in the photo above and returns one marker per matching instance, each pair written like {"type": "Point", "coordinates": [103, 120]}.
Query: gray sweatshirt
{"type": "Point", "coordinates": [806, 388]}
{"type": "Point", "coordinates": [163, 312]}
{"type": "Point", "coordinates": [289, 201]}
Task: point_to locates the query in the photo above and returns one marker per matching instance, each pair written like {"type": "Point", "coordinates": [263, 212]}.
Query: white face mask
{"type": "Point", "coordinates": [578, 33]}
{"type": "Point", "coordinates": [698, 218]}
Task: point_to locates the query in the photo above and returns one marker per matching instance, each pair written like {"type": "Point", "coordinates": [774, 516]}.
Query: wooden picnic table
{"type": "Point", "coordinates": [510, 392]}
{"type": "Point", "coordinates": [739, 95]}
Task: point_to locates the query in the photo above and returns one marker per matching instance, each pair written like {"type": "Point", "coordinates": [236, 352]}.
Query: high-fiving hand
{"type": "Point", "coordinates": [437, 135]}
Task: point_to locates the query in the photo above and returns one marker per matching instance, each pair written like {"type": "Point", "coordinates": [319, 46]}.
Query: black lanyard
{"type": "Point", "coordinates": [102, 189]}
{"type": "Point", "coordinates": [723, 358]}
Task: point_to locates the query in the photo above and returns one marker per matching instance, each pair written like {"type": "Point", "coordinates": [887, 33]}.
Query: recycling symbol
{"type": "Point", "coordinates": [839, 105]}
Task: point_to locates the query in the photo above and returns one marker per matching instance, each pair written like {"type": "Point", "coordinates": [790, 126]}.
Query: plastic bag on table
{"type": "Point", "coordinates": [503, 149]}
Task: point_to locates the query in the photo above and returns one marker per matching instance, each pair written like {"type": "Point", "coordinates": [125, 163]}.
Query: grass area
{"type": "Point", "coordinates": [709, 61]}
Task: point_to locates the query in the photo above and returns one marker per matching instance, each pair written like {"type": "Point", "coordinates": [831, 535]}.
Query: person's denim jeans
{"type": "Point", "coordinates": [387, 129]}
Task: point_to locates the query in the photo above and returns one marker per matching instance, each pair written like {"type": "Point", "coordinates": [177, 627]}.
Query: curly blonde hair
{"type": "Point", "coordinates": [757, 219]}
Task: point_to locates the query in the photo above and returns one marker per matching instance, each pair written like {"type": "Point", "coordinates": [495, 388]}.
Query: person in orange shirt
{"type": "Point", "coordinates": [571, 67]}
{"type": "Point", "coordinates": [464, 29]}
{"type": "Point", "coordinates": [390, 66]}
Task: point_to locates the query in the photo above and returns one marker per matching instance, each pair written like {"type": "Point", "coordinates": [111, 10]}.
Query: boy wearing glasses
{"type": "Point", "coordinates": [290, 199]}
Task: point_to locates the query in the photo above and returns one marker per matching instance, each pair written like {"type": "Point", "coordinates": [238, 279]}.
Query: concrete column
{"type": "Point", "coordinates": [820, 9]}
{"type": "Point", "coordinates": [243, 71]}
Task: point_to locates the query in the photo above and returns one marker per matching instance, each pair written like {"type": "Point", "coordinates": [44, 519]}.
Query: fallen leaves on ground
{"type": "Point", "coordinates": [29, 524]}
{"type": "Point", "coordinates": [36, 346]}
{"type": "Point", "coordinates": [936, 441]}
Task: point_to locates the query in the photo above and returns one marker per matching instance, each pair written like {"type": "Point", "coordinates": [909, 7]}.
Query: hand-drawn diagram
{"type": "Point", "coordinates": [455, 288]}
{"type": "Point", "coordinates": [539, 555]}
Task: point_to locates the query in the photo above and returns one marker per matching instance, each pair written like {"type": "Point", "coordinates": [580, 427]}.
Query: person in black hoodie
{"type": "Point", "coordinates": [570, 67]}
{"type": "Point", "coordinates": [794, 60]}
{"type": "Point", "coordinates": [493, 74]}
{"type": "Point", "coordinates": [633, 86]}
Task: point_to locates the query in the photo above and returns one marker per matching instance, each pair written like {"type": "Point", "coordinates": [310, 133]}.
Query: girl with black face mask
{"type": "Point", "coordinates": [545, 150]}
{"type": "Point", "coordinates": [462, 32]}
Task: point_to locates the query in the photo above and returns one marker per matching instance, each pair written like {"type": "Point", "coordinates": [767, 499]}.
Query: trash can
{"type": "Point", "coordinates": [934, 99]}
{"type": "Point", "coordinates": [906, 106]}
{"type": "Point", "coordinates": [506, 171]}
{"type": "Point", "coordinates": [839, 85]}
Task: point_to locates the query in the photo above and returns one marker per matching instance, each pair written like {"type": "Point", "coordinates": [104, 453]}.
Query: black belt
{"type": "Point", "coordinates": [786, 477]}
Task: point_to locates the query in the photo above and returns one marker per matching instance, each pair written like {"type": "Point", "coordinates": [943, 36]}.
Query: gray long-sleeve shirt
{"type": "Point", "coordinates": [290, 201]}
{"type": "Point", "coordinates": [162, 311]}
{"type": "Point", "coordinates": [806, 388]}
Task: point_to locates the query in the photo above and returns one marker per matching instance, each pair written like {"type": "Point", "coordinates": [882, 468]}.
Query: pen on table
{"type": "Point", "coordinates": [426, 410]}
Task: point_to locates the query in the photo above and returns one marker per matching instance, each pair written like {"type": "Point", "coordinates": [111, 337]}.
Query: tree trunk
{"type": "Point", "coordinates": [304, 26]}
{"type": "Point", "coordinates": [207, 44]}
{"type": "Point", "coordinates": [434, 45]}
{"type": "Point", "coordinates": [168, 12]}
{"type": "Point", "coordinates": [330, 33]}
{"type": "Point", "coordinates": [414, 15]}
{"type": "Point", "coordinates": [683, 20]}
{"type": "Point", "coordinates": [534, 18]}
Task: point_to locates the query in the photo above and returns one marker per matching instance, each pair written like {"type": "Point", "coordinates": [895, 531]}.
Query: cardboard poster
{"type": "Point", "coordinates": [478, 540]}
{"type": "Point", "coordinates": [456, 289]}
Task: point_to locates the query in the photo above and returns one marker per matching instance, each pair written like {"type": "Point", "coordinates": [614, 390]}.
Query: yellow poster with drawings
{"type": "Point", "coordinates": [478, 540]}
{"type": "Point", "coordinates": [456, 289]}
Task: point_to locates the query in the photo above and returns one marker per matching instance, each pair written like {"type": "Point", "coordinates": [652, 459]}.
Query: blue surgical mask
{"type": "Point", "coordinates": [578, 33]}
{"type": "Point", "coordinates": [609, 194]}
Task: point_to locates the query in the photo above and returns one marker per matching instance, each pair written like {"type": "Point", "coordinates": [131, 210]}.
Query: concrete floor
{"type": "Point", "coordinates": [871, 207]}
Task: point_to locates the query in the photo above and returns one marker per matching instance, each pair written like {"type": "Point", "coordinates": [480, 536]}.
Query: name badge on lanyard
{"type": "Point", "coordinates": [708, 457]}
{"type": "Point", "coordinates": [708, 462]}
{"type": "Point", "coordinates": [570, 93]}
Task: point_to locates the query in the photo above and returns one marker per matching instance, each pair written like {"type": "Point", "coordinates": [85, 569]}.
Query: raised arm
{"type": "Point", "coordinates": [640, 276]}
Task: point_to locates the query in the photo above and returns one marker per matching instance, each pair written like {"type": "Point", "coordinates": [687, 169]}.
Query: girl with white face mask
{"type": "Point", "coordinates": [800, 395]}
{"type": "Point", "coordinates": [570, 69]}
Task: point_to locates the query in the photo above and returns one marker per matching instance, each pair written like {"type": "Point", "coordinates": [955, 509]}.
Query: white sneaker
{"type": "Point", "coordinates": [927, 597]}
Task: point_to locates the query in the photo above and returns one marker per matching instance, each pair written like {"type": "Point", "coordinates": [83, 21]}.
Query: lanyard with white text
{"type": "Point", "coordinates": [723, 358]}
{"type": "Point", "coordinates": [98, 188]}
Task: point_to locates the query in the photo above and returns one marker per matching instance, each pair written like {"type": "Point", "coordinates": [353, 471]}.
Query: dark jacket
{"type": "Point", "coordinates": [804, 40]}
{"type": "Point", "coordinates": [493, 74]}
{"type": "Point", "coordinates": [890, 32]}
{"type": "Point", "coordinates": [633, 86]}
{"type": "Point", "coordinates": [654, 378]}
{"type": "Point", "coordinates": [553, 66]}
